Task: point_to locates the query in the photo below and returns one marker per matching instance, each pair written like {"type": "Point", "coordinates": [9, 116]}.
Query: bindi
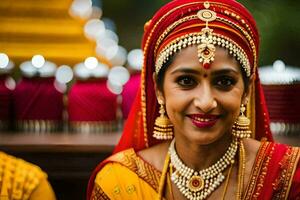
{"type": "Point", "coordinates": [205, 75]}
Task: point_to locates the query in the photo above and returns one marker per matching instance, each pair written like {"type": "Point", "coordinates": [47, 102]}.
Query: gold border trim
{"type": "Point", "coordinates": [254, 175]}
{"type": "Point", "coordinates": [293, 166]}
{"type": "Point", "coordinates": [144, 170]}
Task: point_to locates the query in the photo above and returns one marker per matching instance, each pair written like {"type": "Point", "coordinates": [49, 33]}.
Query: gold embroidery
{"type": "Point", "coordinates": [246, 33]}
{"type": "Point", "coordinates": [281, 185]}
{"type": "Point", "coordinates": [117, 190]}
{"type": "Point", "coordinates": [263, 172]}
{"type": "Point", "coordinates": [256, 169]}
{"type": "Point", "coordinates": [98, 194]}
{"type": "Point", "coordinates": [288, 165]}
{"type": "Point", "coordinates": [144, 170]}
{"type": "Point", "coordinates": [199, 39]}
{"type": "Point", "coordinates": [172, 26]}
{"type": "Point", "coordinates": [251, 43]}
{"type": "Point", "coordinates": [130, 189]}
{"type": "Point", "coordinates": [294, 162]}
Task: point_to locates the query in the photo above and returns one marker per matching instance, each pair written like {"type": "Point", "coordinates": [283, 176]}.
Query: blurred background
{"type": "Point", "coordinates": [276, 19]}
{"type": "Point", "coordinates": [70, 69]}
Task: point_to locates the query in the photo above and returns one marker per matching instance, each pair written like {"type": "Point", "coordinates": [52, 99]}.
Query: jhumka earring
{"type": "Point", "coordinates": [240, 128]}
{"type": "Point", "coordinates": [163, 128]}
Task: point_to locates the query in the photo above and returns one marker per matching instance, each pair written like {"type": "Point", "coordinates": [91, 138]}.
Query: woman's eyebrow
{"type": "Point", "coordinates": [225, 71]}
{"type": "Point", "coordinates": [187, 70]}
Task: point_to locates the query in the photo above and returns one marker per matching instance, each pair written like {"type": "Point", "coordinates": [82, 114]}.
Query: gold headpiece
{"type": "Point", "coordinates": [206, 41]}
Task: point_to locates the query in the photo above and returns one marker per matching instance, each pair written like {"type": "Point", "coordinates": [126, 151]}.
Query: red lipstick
{"type": "Point", "coordinates": [204, 120]}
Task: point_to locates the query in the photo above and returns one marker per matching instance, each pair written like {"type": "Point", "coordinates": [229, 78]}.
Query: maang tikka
{"type": "Point", "coordinates": [240, 128]}
{"type": "Point", "coordinates": [206, 49]}
{"type": "Point", "coordinates": [163, 128]}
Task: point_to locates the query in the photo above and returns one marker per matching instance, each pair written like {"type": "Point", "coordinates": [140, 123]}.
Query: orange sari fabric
{"type": "Point", "coordinates": [275, 175]}
{"type": "Point", "coordinates": [125, 176]}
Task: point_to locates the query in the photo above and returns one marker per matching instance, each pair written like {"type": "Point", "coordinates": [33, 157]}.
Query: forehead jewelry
{"type": "Point", "coordinates": [206, 49]}
{"type": "Point", "coordinates": [206, 41]}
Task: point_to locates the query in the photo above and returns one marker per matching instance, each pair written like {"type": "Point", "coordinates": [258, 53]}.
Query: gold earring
{"type": "Point", "coordinates": [163, 128]}
{"type": "Point", "coordinates": [240, 128]}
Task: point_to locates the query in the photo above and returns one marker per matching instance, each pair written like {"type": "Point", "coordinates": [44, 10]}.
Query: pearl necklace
{"type": "Point", "coordinates": [198, 185]}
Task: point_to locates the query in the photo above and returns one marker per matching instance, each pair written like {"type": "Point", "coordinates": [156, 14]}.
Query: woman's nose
{"type": "Point", "coordinates": [204, 99]}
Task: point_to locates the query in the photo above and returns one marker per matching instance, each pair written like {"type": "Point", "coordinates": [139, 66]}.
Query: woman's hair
{"type": "Point", "coordinates": [161, 74]}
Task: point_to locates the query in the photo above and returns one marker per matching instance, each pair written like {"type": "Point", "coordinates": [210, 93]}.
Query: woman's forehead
{"type": "Point", "coordinates": [187, 59]}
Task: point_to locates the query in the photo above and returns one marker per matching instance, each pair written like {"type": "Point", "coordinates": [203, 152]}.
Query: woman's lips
{"type": "Point", "coordinates": [204, 120]}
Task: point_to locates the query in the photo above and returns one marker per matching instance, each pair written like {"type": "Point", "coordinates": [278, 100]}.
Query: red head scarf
{"type": "Point", "coordinates": [175, 20]}
{"type": "Point", "coordinates": [172, 21]}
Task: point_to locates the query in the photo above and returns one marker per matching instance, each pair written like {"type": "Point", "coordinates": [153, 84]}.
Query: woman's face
{"type": "Point", "coordinates": [202, 103]}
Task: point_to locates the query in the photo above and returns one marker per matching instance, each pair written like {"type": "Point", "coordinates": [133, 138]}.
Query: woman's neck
{"type": "Point", "coordinates": [199, 157]}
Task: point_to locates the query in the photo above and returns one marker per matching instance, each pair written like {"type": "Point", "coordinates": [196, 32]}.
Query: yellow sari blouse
{"type": "Point", "coordinates": [128, 177]}
{"type": "Point", "coordinates": [20, 180]}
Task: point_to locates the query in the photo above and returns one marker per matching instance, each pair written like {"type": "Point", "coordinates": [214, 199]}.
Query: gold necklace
{"type": "Point", "coordinates": [163, 177]}
{"type": "Point", "coordinates": [241, 172]}
{"type": "Point", "coordinates": [169, 182]}
{"type": "Point", "coordinates": [227, 182]}
{"type": "Point", "coordinates": [198, 185]}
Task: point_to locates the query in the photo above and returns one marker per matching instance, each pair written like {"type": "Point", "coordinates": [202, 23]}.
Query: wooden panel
{"type": "Point", "coordinates": [58, 142]}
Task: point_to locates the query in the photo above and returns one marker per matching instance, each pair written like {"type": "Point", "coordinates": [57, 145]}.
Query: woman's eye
{"type": "Point", "coordinates": [186, 81]}
{"type": "Point", "coordinates": [225, 82]}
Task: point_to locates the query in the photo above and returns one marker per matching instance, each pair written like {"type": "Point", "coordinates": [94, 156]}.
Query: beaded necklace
{"type": "Point", "coordinates": [198, 185]}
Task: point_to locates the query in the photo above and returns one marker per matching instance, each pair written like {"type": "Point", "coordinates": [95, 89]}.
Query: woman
{"type": "Point", "coordinates": [188, 133]}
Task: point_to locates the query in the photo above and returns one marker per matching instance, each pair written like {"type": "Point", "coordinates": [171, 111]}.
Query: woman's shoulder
{"type": "Point", "coordinates": [30, 176]}
{"type": "Point", "coordinates": [140, 164]}
{"type": "Point", "coordinates": [155, 155]}
{"type": "Point", "coordinates": [275, 165]}
{"type": "Point", "coordinates": [257, 148]}
{"type": "Point", "coordinates": [280, 150]}
{"type": "Point", "coordinates": [286, 158]}
{"type": "Point", "coordinates": [151, 157]}
{"type": "Point", "coordinates": [123, 171]}
{"type": "Point", "coordinates": [116, 181]}
{"type": "Point", "coordinates": [131, 158]}
{"type": "Point", "coordinates": [15, 164]}
{"type": "Point", "coordinates": [12, 166]}
{"type": "Point", "coordinates": [272, 158]}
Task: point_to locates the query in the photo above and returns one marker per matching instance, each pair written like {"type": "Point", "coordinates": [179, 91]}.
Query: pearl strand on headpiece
{"type": "Point", "coordinates": [198, 185]}
{"type": "Point", "coordinates": [197, 39]}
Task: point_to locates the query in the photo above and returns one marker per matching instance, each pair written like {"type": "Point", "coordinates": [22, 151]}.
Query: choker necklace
{"type": "Point", "coordinates": [198, 185]}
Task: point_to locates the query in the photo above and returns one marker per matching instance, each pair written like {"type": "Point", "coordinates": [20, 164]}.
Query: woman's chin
{"type": "Point", "coordinates": [203, 138]}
